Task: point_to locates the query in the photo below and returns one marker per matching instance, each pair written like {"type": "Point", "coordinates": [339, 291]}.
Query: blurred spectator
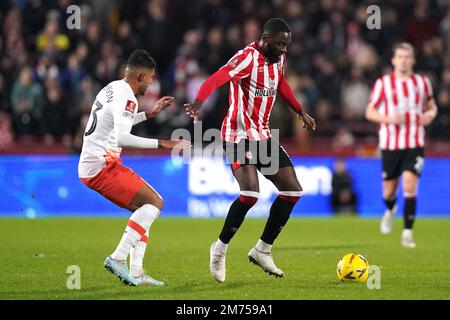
{"type": "Point", "coordinates": [27, 102]}
{"type": "Point", "coordinates": [156, 32]}
{"type": "Point", "coordinates": [12, 33]}
{"type": "Point", "coordinates": [421, 25]}
{"type": "Point", "coordinates": [106, 69]}
{"type": "Point", "coordinates": [54, 112]}
{"type": "Point", "coordinates": [324, 115]}
{"type": "Point", "coordinates": [440, 126]}
{"type": "Point", "coordinates": [6, 136]}
{"type": "Point", "coordinates": [355, 94]}
{"type": "Point", "coordinates": [73, 74]}
{"type": "Point", "coordinates": [445, 26]}
{"type": "Point", "coordinates": [93, 39]}
{"type": "Point", "coordinates": [344, 139]}
{"type": "Point", "coordinates": [46, 68]}
{"type": "Point", "coordinates": [343, 196]}
{"type": "Point", "coordinates": [429, 58]}
{"type": "Point", "coordinates": [34, 15]}
{"type": "Point", "coordinates": [126, 40]}
{"type": "Point", "coordinates": [328, 80]}
{"type": "Point", "coordinates": [216, 12]}
{"type": "Point", "coordinates": [251, 30]}
{"type": "Point", "coordinates": [211, 52]}
{"type": "Point", "coordinates": [233, 40]}
{"type": "Point", "coordinates": [392, 32]}
{"type": "Point", "coordinates": [51, 39]}
{"type": "Point", "coordinates": [185, 65]}
{"type": "Point", "coordinates": [4, 99]}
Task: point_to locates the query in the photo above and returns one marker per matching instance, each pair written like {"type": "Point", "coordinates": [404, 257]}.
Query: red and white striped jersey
{"type": "Point", "coordinates": [253, 89]}
{"type": "Point", "coordinates": [391, 95]}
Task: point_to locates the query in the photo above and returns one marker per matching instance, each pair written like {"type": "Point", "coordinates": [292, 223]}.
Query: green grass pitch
{"type": "Point", "coordinates": [36, 253]}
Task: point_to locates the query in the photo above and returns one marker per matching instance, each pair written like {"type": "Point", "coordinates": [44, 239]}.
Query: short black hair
{"type": "Point", "coordinates": [275, 25]}
{"type": "Point", "coordinates": [141, 59]}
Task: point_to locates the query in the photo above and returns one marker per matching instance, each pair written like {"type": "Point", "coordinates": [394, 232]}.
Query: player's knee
{"type": "Point", "coordinates": [249, 197]}
{"type": "Point", "coordinates": [159, 203]}
{"type": "Point", "coordinates": [291, 196]}
{"type": "Point", "coordinates": [295, 187]}
{"type": "Point", "coordinates": [409, 186]}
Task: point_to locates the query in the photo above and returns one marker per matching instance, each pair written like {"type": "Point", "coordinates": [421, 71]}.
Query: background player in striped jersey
{"type": "Point", "coordinates": [402, 103]}
{"type": "Point", "coordinates": [114, 112]}
{"type": "Point", "coordinates": [256, 75]}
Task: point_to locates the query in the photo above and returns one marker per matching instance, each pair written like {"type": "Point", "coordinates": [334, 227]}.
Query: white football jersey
{"type": "Point", "coordinates": [114, 104]}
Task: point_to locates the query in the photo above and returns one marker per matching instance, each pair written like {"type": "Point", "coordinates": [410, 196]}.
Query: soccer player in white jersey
{"type": "Point", "coordinates": [402, 104]}
{"type": "Point", "coordinates": [114, 112]}
{"type": "Point", "coordinates": [256, 75]}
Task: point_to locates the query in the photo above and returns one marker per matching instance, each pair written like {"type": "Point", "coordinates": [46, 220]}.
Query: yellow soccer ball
{"type": "Point", "coordinates": [353, 267]}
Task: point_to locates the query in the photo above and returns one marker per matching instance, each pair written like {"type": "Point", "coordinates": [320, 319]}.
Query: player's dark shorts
{"type": "Point", "coordinates": [397, 161]}
{"type": "Point", "coordinates": [267, 155]}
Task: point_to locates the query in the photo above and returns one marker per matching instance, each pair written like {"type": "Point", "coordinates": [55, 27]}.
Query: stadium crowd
{"type": "Point", "coordinates": [50, 74]}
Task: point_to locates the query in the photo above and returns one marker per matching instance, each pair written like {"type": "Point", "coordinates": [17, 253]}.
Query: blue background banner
{"type": "Point", "coordinates": [41, 186]}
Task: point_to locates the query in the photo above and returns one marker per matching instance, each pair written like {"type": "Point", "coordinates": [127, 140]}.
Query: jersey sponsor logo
{"type": "Point", "coordinates": [131, 105]}
{"type": "Point", "coordinates": [128, 115]}
{"type": "Point", "coordinates": [271, 92]}
{"type": "Point", "coordinates": [272, 83]}
{"type": "Point", "coordinates": [265, 93]}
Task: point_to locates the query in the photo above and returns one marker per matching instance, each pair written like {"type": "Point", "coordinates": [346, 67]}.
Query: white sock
{"type": "Point", "coordinates": [129, 239]}
{"type": "Point", "coordinates": [220, 246]}
{"type": "Point", "coordinates": [139, 223]}
{"type": "Point", "coordinates": [137, 258]}
{"type": "Point", "coordinates": [263, 247]}
{"type": "Point", "coordinates": [407, 233]}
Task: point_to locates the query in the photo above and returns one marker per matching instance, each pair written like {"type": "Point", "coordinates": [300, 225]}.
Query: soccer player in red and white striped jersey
{"type": "Point", "coordinates": [256, 75]}
{"type": "Point", "coordinates": [402, 104]}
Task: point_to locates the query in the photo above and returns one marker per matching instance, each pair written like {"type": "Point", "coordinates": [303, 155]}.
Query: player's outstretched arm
{"type": "Point", "coordinates": [127, 140]}
{"type": "Point", "coordinates": [216, 80]}
{"type": "Point", "coordinates": [175, 144]}
{"type": "Point", "coordinates": [239, 66]}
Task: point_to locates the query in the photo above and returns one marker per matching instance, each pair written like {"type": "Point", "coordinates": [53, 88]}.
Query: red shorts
{"type": "Point", "coordinates": [115, 182]}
